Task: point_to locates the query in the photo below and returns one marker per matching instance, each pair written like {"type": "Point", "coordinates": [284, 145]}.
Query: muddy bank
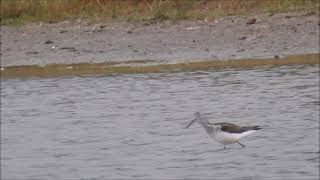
{"type": "Point", "coordinates": [225, 38]}
{"type": "Point", "coordinates": [148, 66]}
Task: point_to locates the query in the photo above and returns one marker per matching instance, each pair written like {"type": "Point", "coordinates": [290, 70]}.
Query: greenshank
{"type": "Point", "coordinates": [224, 133]}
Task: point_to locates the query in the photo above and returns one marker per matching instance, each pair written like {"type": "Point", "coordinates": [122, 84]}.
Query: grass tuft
{"type": "Point", "coordinates": [22, 11]}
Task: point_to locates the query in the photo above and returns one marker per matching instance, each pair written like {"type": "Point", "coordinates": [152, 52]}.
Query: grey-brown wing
{"type": "Point", "coordinates": [233, 128]}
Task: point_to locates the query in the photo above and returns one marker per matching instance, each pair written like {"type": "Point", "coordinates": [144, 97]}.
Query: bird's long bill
{"type": "Point", "coordinates": [194, 120]}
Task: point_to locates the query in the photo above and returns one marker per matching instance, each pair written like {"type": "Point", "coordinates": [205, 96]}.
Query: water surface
{"type": "Point", "coordinates": [132, 126]}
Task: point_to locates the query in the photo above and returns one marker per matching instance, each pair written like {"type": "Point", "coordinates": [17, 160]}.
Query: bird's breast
{"type": "Point", "coordinates": [226, 137]}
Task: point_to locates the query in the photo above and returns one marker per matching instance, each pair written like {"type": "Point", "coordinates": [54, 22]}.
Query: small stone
{"type": "Point", "coordinates": [52, 22]}
{"type": "Point", "coordinates": [48, 42]}
{"type": "Point", "coordinates": [294, 29]}
{"type": "Point", "coordinates": [243, 38]}
{"type": "Point", "coordinates": [63, 31]}
{"type": "Point", "coordinates": [70, 49]}
{"type": "Point", "coordinates": [32, 52]}
{"type": "Point", "coordinates": [252, 21]}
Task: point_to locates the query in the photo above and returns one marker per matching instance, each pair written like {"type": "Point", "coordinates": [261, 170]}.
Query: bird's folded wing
{"type": "Point", "coordinates": [233, 128]}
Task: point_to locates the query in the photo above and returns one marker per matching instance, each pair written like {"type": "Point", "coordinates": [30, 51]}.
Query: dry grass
{"type": "Point", "coordinates": [20, 11]}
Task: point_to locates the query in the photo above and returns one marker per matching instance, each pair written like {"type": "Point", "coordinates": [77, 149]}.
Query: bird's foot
{"type": "Point", "coordinates": [242, 145]}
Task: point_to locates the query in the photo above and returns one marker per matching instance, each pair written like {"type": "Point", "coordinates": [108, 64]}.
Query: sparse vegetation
{"type": "Point", "coordinates": [21, 11]}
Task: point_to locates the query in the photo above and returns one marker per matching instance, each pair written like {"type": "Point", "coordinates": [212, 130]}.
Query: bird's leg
{"type": "Point", "coordinates": [224, 147]}
{"type": "Point", "coordinates": [242, 145]}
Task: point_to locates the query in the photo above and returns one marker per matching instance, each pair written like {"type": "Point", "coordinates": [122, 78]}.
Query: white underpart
{"type": "Point", "coordinates": [229, 138]}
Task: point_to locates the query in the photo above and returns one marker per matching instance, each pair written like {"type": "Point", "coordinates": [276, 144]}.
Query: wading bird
{"type": "Point", "coordinates": [224, 133]}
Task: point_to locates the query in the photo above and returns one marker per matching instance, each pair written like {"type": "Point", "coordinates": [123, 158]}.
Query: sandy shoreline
{"type": "Point", "coordinates": [232, 37]}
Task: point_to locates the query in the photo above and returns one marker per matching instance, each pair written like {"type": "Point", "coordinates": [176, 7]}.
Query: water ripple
{"type": "Point", "coordinates": [132, 126]}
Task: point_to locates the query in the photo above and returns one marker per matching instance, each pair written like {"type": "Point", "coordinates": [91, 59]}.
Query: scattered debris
{"type": "Point", "coordinates": [310, 13]}
{"type": "Point", "coordinates": [259, 36]}
{"type": "Point", "coordinates": [192, 28]}
{"type": "Point", "coordinates": [289, 17]}
{"type": "Point", "coordinates": [98, 28]}
{"type": "Point", "coordinates": [240, 50]}
{"type": "Point", "coordinates": [63, 31]}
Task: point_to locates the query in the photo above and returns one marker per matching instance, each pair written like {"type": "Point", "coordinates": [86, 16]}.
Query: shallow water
{"type": "Point", "coordinates": [132, 126]}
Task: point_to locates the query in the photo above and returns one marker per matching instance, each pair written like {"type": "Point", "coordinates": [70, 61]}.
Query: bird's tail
{"type": "Point", "coordinates": [256, 127]}
{"type": "Point", "coordinates": [252, 128]}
